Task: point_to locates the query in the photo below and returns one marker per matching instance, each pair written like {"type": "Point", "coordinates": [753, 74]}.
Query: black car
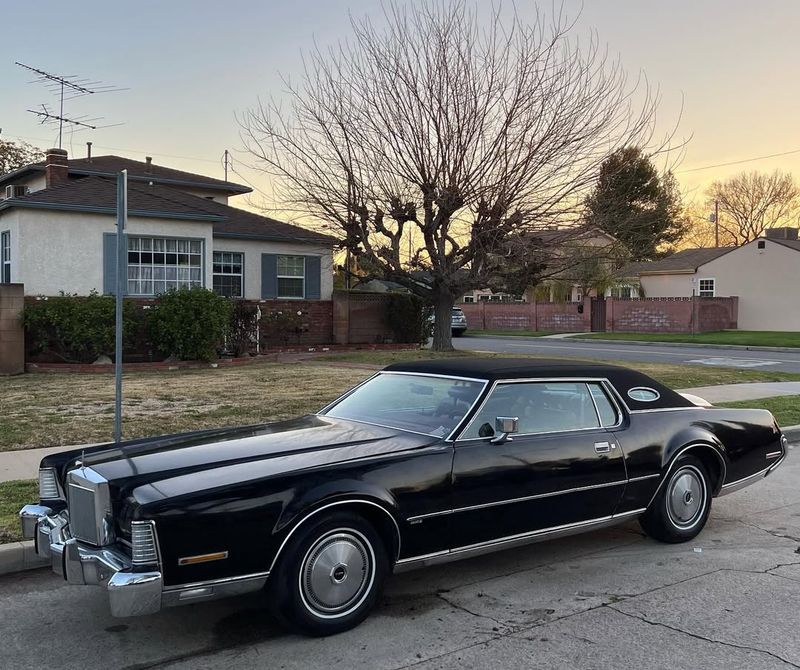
{"type": "Point", "coordinates": [423, 463]}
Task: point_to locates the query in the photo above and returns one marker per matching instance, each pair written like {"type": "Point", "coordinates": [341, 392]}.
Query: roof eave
{"type": "Point", "coordinates": [237, 189]}
{"type": "Point", "coordinates": [90, 209]}
{"type": "Point", "coordinates": [276, 238]}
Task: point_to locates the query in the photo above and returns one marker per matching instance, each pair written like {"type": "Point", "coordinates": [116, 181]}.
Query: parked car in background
{"type": "Point", "coordinates": [423, 463]}
{"type": "Point", "coordinates": [459, 322]}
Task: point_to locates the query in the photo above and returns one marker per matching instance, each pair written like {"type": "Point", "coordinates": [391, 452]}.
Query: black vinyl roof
{"type": "Point", "coordinates": [496, 369]}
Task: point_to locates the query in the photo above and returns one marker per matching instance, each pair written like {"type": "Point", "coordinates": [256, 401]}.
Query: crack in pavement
{"type": "Point", "coordinates": [466, 610]}
{"type": "Point", "coordinates": [774, 533]}
{"type": "Point", "coordinates": [697, 636]}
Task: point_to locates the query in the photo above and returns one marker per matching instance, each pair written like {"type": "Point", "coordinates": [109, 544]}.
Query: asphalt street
{"type": "Point", "coordinates": [608, 599]}
{"type": "Point", "coordinates": [631, 351]}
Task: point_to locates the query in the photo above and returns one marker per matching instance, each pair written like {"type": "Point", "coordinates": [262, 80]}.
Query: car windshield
{"type": "Point", "coordinates": [430, 405]}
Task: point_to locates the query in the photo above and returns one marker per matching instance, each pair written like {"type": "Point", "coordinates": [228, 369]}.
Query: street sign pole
{"type": "Point", "coordinates": [122, 279]}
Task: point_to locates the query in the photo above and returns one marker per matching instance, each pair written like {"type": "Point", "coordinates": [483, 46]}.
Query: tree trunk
{"type": "Point", "coordinates": [443, 328]}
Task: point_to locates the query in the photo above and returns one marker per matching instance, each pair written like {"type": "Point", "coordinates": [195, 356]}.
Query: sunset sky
{"type": "Point", "coordinates": [190, 66]}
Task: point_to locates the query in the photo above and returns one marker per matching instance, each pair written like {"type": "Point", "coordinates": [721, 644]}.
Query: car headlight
{"type": "Point", "coordinates": [48, 485]}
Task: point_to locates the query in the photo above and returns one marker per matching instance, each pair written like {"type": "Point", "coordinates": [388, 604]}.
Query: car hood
{"type": "Point", "coordinates": [308, 441]}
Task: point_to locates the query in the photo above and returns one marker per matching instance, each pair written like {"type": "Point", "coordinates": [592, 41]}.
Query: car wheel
{"type": "Point", "coordinates": [330, 575]}
{"type": "Point", "coordinates": [681, 507]}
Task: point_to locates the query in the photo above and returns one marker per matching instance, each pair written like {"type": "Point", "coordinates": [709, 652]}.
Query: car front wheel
{"type": "Point", "coordinates": [681, 507]}
{"type": "Point", "coordinates": [330, 576]}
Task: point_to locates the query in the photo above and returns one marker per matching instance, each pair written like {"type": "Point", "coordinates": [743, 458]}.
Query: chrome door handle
{"type": "Point", "coordinates": [602, 447]}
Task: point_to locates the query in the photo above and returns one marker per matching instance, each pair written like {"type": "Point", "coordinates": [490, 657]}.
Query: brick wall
{"type": "Point", "coordinates": [316, 318]}
{"type": "Point", "coordinates": [358, 318]}
{"type": "Point", "coordinates": [12, 336]}
{"type": "Point", "coordinates": [670, 315]}
{"type": "Point", "coordinates": [642, 315]}
{"type": "Point", "coordinates": [544, 316]}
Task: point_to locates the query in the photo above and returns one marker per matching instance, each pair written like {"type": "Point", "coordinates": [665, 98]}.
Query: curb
{"type": "Point", "coordinates": [792, 433]}
{"type": "Point", "coordinates": [19, 556]}
{"type": "Point", "coordinates": [742, 347]}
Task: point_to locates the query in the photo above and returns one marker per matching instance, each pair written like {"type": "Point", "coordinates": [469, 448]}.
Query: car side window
{"type": "Point", "coordinates": [542, 407]}
{"type": "Point", "coordinates": [607, 411]}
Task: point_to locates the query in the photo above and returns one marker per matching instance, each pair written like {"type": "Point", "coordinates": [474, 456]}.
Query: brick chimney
{"type": "Point", "coordinates": [56, 170]}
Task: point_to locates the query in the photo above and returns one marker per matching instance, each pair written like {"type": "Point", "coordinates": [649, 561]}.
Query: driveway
{"type": "Point", "coordinates": [632, 351]}
{"type": "Point", "coordinates": [609, 599]}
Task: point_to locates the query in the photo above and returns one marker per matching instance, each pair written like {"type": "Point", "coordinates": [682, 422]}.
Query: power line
{"type": "Point", "coordinates": [739, 162]}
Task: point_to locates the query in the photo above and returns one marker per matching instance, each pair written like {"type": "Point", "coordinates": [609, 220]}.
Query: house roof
{"type": "Point", "coordinates": [107, 166]}
{"type": "Point", "coordinates": [99, 195]}
{"type": "Point", "coordinates": [792, 244]}
{"type": "Point", "coordinates": [687, 260]}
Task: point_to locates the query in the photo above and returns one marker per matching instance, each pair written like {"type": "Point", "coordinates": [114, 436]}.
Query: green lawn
{"type": "Point", "coordinates": [750, 338]}
{"type": "Point", "coordinates": [13, 495]}
{"type": "Point", "coordinates": [785, 408]}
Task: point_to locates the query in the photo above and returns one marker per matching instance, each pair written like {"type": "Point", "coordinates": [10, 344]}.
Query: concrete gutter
{"type": "Point", "coordinates": [20, 556]}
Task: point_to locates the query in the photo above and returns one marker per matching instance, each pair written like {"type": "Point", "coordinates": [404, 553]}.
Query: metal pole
{"type": "Point", "coordinates": [716, 223]}
{"type": "Point", "coordinates": [122, 279]}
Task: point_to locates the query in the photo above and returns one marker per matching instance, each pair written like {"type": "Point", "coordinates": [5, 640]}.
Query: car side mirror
{"type": "Point", "coordinates": [504, 426]}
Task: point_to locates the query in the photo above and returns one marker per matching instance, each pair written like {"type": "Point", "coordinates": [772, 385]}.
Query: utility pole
{"type": "Point", "coordinates": [225, 159]}
{"type": "Point", "coordinates": [716, 223]}
{"type": "Point", "coordinates": [121, 285]}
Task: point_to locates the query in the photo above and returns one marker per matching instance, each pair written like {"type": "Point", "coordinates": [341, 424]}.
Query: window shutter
{"type": "Point", "coordinates": [269, 276]}
{"type": "Point", "coordinates": [110, 264]}
{"type": "Point", "coordinates": [313, 278]}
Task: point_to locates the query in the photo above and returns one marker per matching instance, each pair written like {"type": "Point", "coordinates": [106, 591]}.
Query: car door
{"type": "Point", "coordinates": [562, 467]}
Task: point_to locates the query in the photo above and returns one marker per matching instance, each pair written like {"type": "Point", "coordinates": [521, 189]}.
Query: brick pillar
{"type": "Point", "coordinates": [341, 317]}
{"type": "Point", "coordinates": [12, 335]}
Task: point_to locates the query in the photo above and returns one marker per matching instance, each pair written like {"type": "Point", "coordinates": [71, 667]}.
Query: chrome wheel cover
{"type": "Point", "coordinates": [337, 573]}
{"type": "Point", "coordinates": [686, 497]}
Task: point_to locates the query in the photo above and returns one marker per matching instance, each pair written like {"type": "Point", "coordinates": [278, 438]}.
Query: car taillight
{"type": "Point", "coordinates": [48, 484]}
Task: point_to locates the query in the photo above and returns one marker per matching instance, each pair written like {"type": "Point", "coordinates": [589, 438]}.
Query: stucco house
{"type": "Point", "coordinates": [763, 274]}
{"type": "Point", "coordinates": [58, 233]}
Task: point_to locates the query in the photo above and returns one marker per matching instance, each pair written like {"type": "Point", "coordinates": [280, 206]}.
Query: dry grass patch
{"type": "Point", "coordinates": [55, 409]}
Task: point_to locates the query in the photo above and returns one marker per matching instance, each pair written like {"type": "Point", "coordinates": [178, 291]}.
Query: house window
{"type": "Point", "coordinates": [469, 298]}
{"type": "Point", "coordinates": [707, 288]}
{"type": "Point", "coordinates": [157, 264]}
{"type": "Point", "coordinates": [621, 292]}
{"type": "Point", "coordinates": [762, 244]}
{"type": "Point", "coordinates": [291, 276]}
{"type": "Point", "coordinates": [228, 275]}
{"type": "Point", "coordinates": [5, 257]}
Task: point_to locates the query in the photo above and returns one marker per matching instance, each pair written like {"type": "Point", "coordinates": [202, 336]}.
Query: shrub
{"type": "Point", "coordinates": [190, 323]}
{"type": "Point", "coordinates": [279, 326]}
{"type": "Point", "coordinates": [242, 332]}
{"type": "Point", "coordinates": [407, 318]}
{"type": "Point", "coordinates": [79, 329]}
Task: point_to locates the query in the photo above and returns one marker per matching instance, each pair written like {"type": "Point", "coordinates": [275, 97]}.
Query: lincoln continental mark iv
{"type": "Point", "coordinates": [424, 462]}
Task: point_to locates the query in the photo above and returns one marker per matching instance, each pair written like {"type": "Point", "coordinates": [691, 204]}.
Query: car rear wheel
{"type": "Point", "coordinates": [681, 507]}
{"type": "Point", "coordinates": [330, 575]}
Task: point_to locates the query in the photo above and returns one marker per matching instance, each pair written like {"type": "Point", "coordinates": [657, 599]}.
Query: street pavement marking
{"type": "Point", "coordinates": [734, 362]}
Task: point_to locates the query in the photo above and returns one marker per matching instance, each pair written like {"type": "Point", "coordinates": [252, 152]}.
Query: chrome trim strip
{"type": "Point", "coordinates": [643, 477]}
{"type": "Point", "coordinates": [349, 501]}
{"type": "Point", "coordinates": [723, 472]}
{"type": "Point", "coordinates": [511, 501]}
{"type": "Point", "coordinates": [433, 374]}
{"type": "Point", "coordinates": [730, 487]}
{"type": "Point", "coordinates": [510, 541]}
{"type": "Point", "coordinates": [774, 454]}
{"type": "Point", "coordinates": [215, 582]}
{"type": "Point", "coordinates": [663, 409]}
{"type": "Point", "coordinates": [213, 590]}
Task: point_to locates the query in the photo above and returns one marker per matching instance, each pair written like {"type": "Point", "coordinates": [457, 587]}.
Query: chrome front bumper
{"type": "Point", "coordinates": [129, 593]}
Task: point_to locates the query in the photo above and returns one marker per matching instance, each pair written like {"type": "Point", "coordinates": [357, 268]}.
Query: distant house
{"type": "Point", "coordinates": [763, 274]}
{"type": "Point", "coordinates": [57, 233]}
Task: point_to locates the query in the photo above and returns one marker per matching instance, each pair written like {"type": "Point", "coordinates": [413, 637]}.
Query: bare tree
{"type": "Point", "coordinates": [472, 132]}
{"type": "Point", "coordinates": [751, 202]}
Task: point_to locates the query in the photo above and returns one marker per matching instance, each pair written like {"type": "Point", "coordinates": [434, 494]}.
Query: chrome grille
{"type": "Point", "coordinates": [82, 522]}
{"type": "Point", "coordinates": [143, 543]}
{"type": "Point", "coordinates": [89, 503]}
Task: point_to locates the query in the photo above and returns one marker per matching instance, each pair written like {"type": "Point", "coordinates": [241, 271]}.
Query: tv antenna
{"type": "Point", "coordinates": [68, 87]}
